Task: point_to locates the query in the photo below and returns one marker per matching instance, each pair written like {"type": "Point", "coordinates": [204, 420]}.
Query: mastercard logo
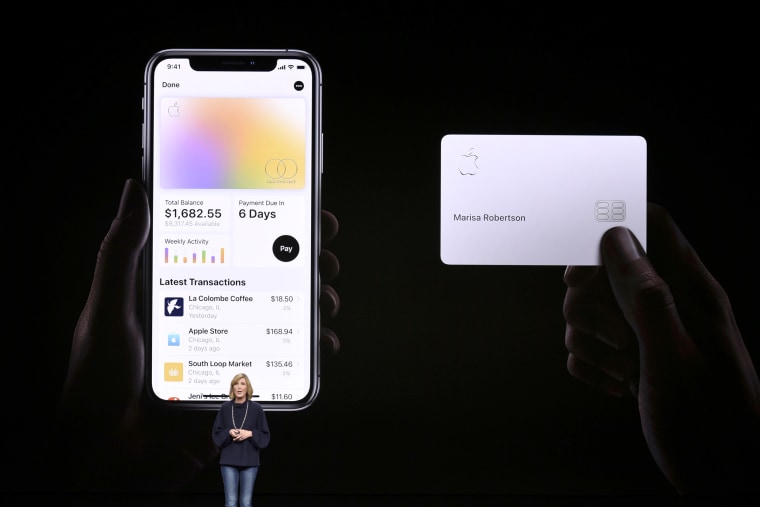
{"type": "Point", "coordinates": [278, 169]}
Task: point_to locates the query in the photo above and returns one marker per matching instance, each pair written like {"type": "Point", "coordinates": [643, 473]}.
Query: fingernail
{"type": "Point", "coordinates": [620, 245]}
{"type": "Point", "coordinates": [128, 198]}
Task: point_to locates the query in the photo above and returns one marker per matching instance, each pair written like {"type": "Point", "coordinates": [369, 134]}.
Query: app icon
{"type": "Point", "coordinates": [173, 307]}
{"type": "Point", "coordinates": [174, 339]}
{"type": "Point", "coordinates": [173, 372]}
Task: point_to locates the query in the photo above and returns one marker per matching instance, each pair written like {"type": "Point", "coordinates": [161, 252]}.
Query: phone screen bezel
{"type": "Point", "coordinates": [238, 60]}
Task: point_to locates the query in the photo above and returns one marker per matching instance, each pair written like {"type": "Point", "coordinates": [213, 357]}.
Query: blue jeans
{"type": "Point", "coordinates": [238, 479]}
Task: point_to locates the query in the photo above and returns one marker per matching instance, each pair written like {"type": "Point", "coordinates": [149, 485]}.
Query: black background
{"type": "Point", "coordinates": [450, 379]}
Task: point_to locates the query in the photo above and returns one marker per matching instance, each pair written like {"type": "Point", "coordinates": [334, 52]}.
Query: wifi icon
{"type": "Point", "coordinates": [290, 66]}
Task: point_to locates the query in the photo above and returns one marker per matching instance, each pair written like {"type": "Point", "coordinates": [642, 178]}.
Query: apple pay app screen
{"type": "Point", "coordinates": [232, 270]}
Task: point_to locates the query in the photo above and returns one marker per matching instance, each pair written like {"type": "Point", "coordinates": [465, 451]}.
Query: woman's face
{"type": "Point", "coordinates": [240, 388]}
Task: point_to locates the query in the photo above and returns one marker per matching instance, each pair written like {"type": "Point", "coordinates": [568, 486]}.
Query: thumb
{"type": "Point", "coordinates": [679, 312]}
{"type": "Point", "coordinates": [107, 350]}
{"type": "Point", "coordinates": [648, 305]}
{"type": "Point", "coordinates": [117, 264]}
{"type": "Point", "coordinates": [114, 284]}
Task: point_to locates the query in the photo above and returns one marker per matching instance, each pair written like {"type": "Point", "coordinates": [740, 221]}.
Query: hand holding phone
{"type": "Point", "coordinates": [107, 436]}
{"type": "Point", "coordinates": [128, 439]}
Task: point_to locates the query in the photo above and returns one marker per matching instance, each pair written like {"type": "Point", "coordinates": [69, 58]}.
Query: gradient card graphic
{"type": "Point", "coordinates": [216, 143]}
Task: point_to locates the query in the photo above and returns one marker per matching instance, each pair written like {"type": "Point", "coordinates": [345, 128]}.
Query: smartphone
{"type": "Point", "coordinates": [232, 163]}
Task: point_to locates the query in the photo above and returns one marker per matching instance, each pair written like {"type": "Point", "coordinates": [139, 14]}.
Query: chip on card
{"type": "Point", "coordinates": [532, 200]}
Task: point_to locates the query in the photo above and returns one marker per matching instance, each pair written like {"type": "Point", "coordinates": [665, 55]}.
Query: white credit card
{"type": "Point", "coordinates": [538, 199]}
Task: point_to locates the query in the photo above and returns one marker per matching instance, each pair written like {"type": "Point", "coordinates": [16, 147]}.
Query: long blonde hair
{"type": "Point", "coordinates": [248, 388]}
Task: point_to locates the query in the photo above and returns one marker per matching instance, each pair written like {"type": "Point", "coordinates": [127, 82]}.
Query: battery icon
{"type": "Point", "coordinates": [299, 67]}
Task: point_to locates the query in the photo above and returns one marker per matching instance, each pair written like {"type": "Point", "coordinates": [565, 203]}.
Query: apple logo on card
{"type": "Point", "coordinates": [467, 163]}
{"type": "Point", "coordinates": [174, 110]}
